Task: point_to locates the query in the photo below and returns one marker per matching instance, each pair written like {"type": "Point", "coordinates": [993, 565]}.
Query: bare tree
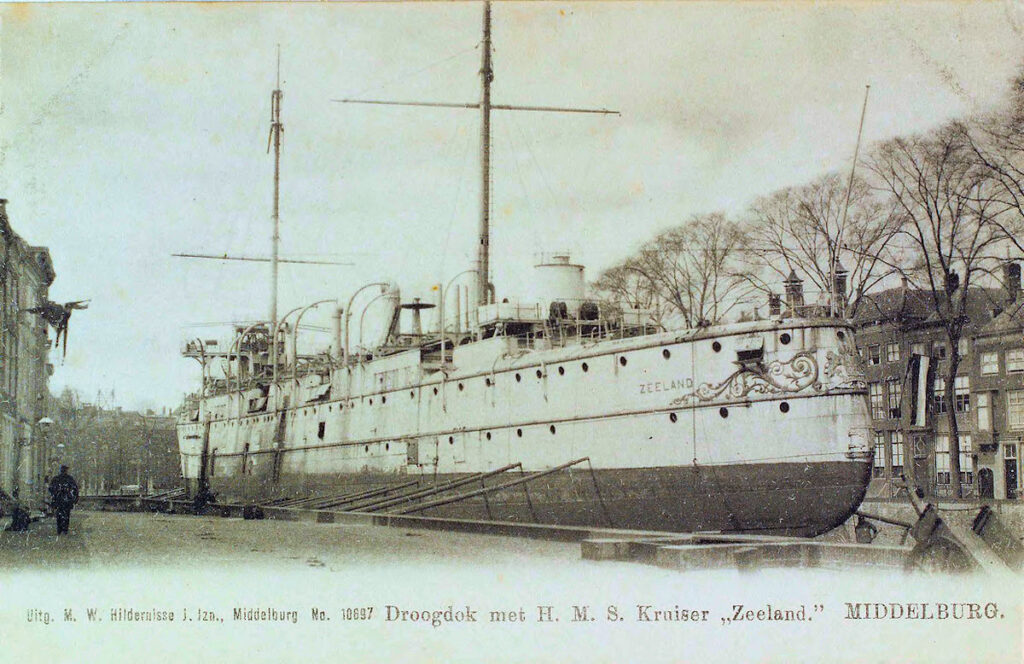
{"type": "Point", "coordinates": [952, 234]}
{"type": "Point", "coordinates": [690, 272]}
{"type": "Point", "coordinates": [627, 285]}
{"type": "Point", "coordinates": [997, 144]}
{"type": "Point", "coordinates": [810, 231]}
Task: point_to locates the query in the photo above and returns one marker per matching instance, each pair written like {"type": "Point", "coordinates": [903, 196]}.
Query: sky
{"type": "Point", "coordinates": [129, 132]}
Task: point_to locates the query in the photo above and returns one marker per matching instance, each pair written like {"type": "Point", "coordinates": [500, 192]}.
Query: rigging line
{"type": "Point", "coordinates": [428, 67]}
{"type": "Point", "coordinates": [543, 174]}
{"type": "Point", "coordinates": [458, 193]}
{"type": "Point", "coordinates": [522, 183]}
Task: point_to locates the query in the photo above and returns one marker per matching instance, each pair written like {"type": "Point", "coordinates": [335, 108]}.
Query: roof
{"type": "Point", "coordinates": [1009, 321]}
{"type": "Point", "coordinates": [910, 306]}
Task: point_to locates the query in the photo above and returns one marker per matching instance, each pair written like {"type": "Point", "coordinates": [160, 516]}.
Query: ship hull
{"type": "Point", "coordinates": [793, 499]}
{"type": "Point", "coordinates": [675, 432]}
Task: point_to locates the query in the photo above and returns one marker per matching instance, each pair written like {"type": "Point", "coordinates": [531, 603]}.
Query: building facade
{"type": "Point", "coordinates": [26, 273]}
{"type": "Point", "coordinates": [988, 396]}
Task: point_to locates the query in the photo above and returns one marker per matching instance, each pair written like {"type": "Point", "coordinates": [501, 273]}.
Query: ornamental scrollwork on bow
{"type": "Point", "coordinates": [778, 376]}
{"type": "Point", "coordinates": [842, 370]}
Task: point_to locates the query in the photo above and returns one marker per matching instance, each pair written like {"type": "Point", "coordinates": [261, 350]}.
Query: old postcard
{"type": "Point", "coordinates": [511, 331]}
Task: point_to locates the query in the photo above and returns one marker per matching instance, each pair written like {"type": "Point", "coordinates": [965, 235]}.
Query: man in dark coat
{"type": "Point", "coordinates": [63, 496]}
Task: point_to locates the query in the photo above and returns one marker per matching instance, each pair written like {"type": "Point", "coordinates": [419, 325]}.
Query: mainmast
{"type": "Point", "coordinates": [483, 262]}
{"type": "Point", "coordinates": [275, 136]}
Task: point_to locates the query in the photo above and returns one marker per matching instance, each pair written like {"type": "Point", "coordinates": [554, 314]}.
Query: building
{"type": "Point", "coordinates": [26, 273]}
{"type": "Point", "coordinates": [894, 325]}
{"type": "Point", "coordinates": [108, 447]}
{"type": "Point", "coordinates": [997, 380]}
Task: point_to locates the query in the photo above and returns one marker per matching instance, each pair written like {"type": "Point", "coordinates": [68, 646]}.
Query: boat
{"type": "Point", "coordinates": [557, 409]}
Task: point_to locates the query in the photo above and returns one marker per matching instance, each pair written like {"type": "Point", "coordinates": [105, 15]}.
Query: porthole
{"type": "Point", "coordinates": [666, 353]}
{"type": "Point", "coordinates": [488, 435]}
{"type": "Point", "coordinates": [585, 367]}
{"type": "Point", "coordinates": [716, 346]}
{"type": "Point", "coordinates": [841, 335]}
{"type": "Point", "coordinates": [461, 387]}
{"type": "Point", "coordinates": [518, 378]}
{"type": "Point", "coordinates": [784, 407]}
{"type": "Point", "coordinates": [784, 338]}
{"type": "Point", "coordinates": [552, 429]}
{"type": "Point", "coordinates": [540, 374]}
{"type": "Point", "coordinates": [451, 440]}
{"type": "Point", "coordinates": [723, 411]}
{"type": "Point", "coordinates": [561, 371]}
{"type": "Point", "coordinates": [519, 432]}
{"type": "Point", "coordinates": [622, 360]}
{"type": "Point", "coordinates": [673, 417]}
{"type": "Point", "coordinates": [487, 382]}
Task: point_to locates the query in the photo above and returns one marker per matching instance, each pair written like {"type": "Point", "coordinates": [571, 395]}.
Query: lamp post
{"type": "Point", "coordinates": [348, 309]}
{"type": "Point", "coordinates": [41, 453]}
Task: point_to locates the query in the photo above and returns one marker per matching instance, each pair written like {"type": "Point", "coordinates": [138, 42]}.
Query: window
{"type": "Point", "coordinates": [942, 459]}
{"type": "Point", "coordinates": [984, 411]}
{"type": "Point", "coordinates": [989, 363]}
{"type": "Point", "coordinates": [1015, 360]}
{"type": "Point", "coordinates": [1015, 409]}
{"type": "Point", "coordinates": [962, 394]}
{"type": "Point", "coordinates": [897, 453]}
{"type": "Point", "coordinates": [940, 395]}
{"type": "Point", "coordinates": [892, 352]}
{"type": "Point", "coordinates": [966, 460]}
{"type": "Point", "coordinates": [321, 430]}
{"type": "Point", "coordinates": [963, 346]}
{"type": "Point", "coordinates": [917, 348]}
{"type": "Point", "coordinates": [877, 405]}
{"type": "Point", "coordinates": [878, 470]}
{"type": "Point", "coordinates": [939, 350]}
{"type": "Point", "coordinates": [874, 354]}
{"type": "Point", "coordinates": [895, 389]}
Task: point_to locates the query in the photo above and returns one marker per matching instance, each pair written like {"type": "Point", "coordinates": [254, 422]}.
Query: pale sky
{"type": "Point", "coordinates": [130, 132]}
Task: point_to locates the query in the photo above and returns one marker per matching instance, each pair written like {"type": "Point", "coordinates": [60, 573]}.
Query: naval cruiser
{"type": "Point", "coordinates": [556, 409]}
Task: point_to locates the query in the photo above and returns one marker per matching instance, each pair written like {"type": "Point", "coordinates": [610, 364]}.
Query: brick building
{"type": "Point", "coordinates": [897, 323]}
{"type": "Point", "coordinates": [26, 273]}
{"type": "Point", "coordinates": [997, 380]}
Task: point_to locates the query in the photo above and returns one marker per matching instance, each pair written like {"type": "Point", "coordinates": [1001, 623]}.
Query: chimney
{"type": "Point", "coordinates": [839, 283]}
{"type": "Point", "coordinates": [774, 305]}
{"type": "Point", "coordinates": [1011, 280]}
{"type": "Point", "coordinates": [794, 291]}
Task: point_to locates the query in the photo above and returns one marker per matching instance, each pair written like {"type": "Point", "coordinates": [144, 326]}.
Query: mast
{"type": "Point", "coordinates": [275, 135]}
{"type": "Point", "coordinates": [483, 262]}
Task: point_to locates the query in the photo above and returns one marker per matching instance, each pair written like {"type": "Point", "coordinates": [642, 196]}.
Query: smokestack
{"type": "Point", "coordinates": [1011, 280]}
{"type": "Point", "coordinates": [336, 333]}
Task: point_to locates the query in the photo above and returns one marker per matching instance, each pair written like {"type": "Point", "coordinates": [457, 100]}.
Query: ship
{"type": "Point", "coordinates": [558, 409]}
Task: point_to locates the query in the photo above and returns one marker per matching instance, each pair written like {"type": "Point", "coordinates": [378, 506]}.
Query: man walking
{"type": "Point", "coordinates": [63, 496]}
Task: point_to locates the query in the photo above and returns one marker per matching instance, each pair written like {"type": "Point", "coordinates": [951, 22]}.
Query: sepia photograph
{"type": "Point", "coordinates": [512, 331]}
